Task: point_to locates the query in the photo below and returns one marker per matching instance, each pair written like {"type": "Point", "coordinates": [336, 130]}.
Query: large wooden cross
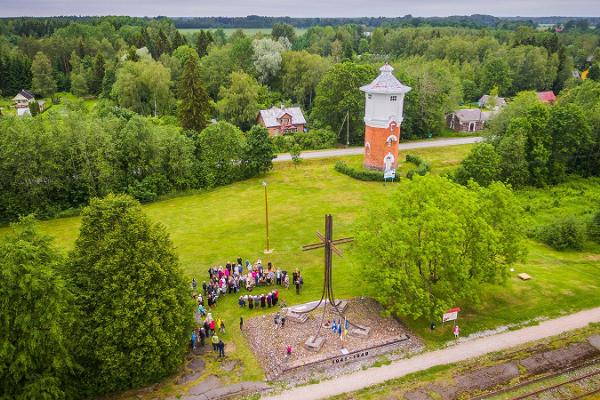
{"type": "Point", "coordinates": [327, 243]}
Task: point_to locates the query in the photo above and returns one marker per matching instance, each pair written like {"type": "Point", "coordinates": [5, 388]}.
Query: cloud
{"type": "Point", "coordinates": [301, 8]}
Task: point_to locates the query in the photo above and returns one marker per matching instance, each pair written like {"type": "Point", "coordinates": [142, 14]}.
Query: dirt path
{"type": "Point", "coordinates": [403, 146]}
{"type": "Point", "coordinates": [459, 352]}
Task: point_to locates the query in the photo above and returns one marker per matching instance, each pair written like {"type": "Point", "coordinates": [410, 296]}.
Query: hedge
{"type": "Point", "coordinates": [423, 166]}
{"type": "Point", "coordinates": [360, 174]}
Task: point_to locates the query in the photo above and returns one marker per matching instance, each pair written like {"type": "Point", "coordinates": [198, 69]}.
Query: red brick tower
{"type": "Point", "coordinates": [383, 116]}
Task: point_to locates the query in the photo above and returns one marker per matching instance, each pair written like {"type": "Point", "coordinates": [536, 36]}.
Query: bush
{"type": "Point", "coordinates": [563, 234]}
{"type": "Point", "coordinates": [423, 167]}
{"type": "Point", "coordinates": [361, 175]}
{"type": "Point", "coordinates": [315, 139]}
{"type": "Point", "coordinates": [594, 228]}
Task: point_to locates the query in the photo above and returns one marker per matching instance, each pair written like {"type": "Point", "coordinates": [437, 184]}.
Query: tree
{"type": "Point", "coordinates": [377, 41]}
{"type": "Point", "coordinates": [193, 107]}
{"type": "Point", "coordinates": [134, 309]}
{"type": "Point", "coordinates": [35, 357]}
{"type": "Point", "coordinates": [267, 57]}
{"type": "Point", "coordinates": [570, 134]}
{"type": "Point", "coordinates": [437, 243]}
{"type": "Point", "coordinates": [42, 75]}
{"type": "Point", "coordinates": [512, 150]}
{"type": "Point", "coordinates": [594, 228]}
{"type": "Point", "coordinates": [79, 86]}
{"type": "Point", "coordinates": [97, 76]}
{"type": "Point", "coordinates": [495, 73]}
{"type": "Point", "coordinates": [481, 165]}
{"type": "Point", "coordinates": [259, 152]}
{"type": "Point", "coordinates": [281, 29]}
{"type": "Point", "coordinates": [144, 87]}
{"type": "Point", "coordinates": [239, 103]}
{"type": "Point", "coordinates": [203, 41]}
{"type": "Point", "coordinates": [221, 149]}
{"type": "Point", "coordinates": [338, 94]}
{"type": "Point", "coordinates": [301, 72]}
{"type": "Point", "coordinates": [295, 153]}
{"type": "Point", "coordinates": [436, 92]}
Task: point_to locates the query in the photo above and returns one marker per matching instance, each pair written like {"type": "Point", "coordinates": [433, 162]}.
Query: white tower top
{"type": "Point", "coordinates": [384, 99]}
{"type": "Point", "coordinates": [386, 83]}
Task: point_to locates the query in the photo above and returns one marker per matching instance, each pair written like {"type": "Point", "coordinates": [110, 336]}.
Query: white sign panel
{"type": "Point", "coordinates": [450, 315]}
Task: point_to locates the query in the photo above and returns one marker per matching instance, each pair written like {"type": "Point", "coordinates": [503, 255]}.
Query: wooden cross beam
{"type": "Point", "coordinates": [327, 241]}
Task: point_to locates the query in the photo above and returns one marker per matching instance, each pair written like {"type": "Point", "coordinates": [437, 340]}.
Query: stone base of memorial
{"type": "Point", "coordinates": [370, 335]}
{"type": "Point", "coordinates": [314, 344]}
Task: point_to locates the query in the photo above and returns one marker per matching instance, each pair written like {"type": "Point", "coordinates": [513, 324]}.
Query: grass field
{"type": "Point", "coordinates": [210, 228]}
{"type": "Point", "coordinates": [248, 31]}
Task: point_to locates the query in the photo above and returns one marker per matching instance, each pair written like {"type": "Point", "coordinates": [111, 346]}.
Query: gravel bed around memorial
{"type": "Point", "coordinates": [269, 343]}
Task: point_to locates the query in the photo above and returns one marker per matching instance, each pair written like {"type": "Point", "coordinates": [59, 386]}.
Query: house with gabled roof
{"type": "Point", "coordinates": [23, 98]}
{"type": "Point", "coordinates": [282, 120]}
{"type": "Point", "coordinates": [469, 119]}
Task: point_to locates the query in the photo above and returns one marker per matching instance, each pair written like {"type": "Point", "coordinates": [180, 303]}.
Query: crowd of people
{"type": "Point", "coordinates": [234, 277]}
{"type": "Point", "coordinates": [231, 279]}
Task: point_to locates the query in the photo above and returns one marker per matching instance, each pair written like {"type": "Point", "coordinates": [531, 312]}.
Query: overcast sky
{"type": "Point", "coordinates": [300, 8]}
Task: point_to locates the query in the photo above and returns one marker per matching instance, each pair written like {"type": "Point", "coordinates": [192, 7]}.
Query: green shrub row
{"type": "Point", "coordinates": [360, 174]}
{"type": "Point", "coordinates": [315, 139]}
{"type": "Point", "coordinates": [563, 234]}
{"type": "Point", "coordinates": [423, 166]}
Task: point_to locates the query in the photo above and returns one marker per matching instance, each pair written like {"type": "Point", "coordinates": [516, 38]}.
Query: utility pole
{"type": "Point", "coordinates": [268, 249]}
{"type": "Point", "coordinates": [347, 128]}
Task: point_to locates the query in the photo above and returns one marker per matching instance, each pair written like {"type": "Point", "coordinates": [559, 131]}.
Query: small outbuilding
{"type": "Point", "coordinates": [469, 119]}
{"type": "Point", "coordinates": [493, 102]}
{"type": "Point", "coordinates": [282, 120]}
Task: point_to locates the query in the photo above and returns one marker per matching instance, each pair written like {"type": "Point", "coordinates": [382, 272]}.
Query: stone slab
{"type": "Point", "coordinates": [196, 365]}
{"type": "Point", "coordinates": [595, 341]}
{"type": "Point", "coordinates": [523, 276]}
{"type": "Point", "coordinates": [313, 344]}
{"type": "Point", "coordinates": [210, 383]}
{"type": "Point", "coordinates": [360, 331]}
{"type": "Point", "coordinates": [342, 305]}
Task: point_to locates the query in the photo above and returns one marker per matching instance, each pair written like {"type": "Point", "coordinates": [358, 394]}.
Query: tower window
{"type": "Point", "coordinates": [369, 96]}
{"type": "Point", "coordinates": [393, 98]}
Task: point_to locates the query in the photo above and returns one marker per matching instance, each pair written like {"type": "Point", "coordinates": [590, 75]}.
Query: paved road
{"type": "Point", "coordinates": [403, 146]}
{"type": "Point", "coordinates": [459, 352]}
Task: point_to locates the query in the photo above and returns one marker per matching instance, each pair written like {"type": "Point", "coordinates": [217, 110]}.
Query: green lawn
{"type": "Point", "coordinates": [210, 228]}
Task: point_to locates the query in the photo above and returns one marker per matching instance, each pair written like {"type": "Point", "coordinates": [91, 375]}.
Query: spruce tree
{"type": "Point", "coordinates": [135, 314]}
{"type": "Point", "coordinates": [194, 107]}
{"type": "Point", "coordinates": [34, 349]}
{"type": "Point", "coordinates": [98, 69]}
{"type": "Point", "coordinates": [204, 40]}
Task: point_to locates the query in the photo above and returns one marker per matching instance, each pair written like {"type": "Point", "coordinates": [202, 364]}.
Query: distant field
{"type": "Point", "coordinates": [247, 31]}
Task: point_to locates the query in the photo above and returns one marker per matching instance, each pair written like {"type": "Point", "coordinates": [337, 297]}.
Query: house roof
{"type": "Point", "coordinates": [486, 98]}
{"type": "Point", "coordinates": [547, 97]}
{"type": "Point", "coordinates": [473, 114]}
{"type": "Point", "coordinates": [386, 83]}
{"type": "Point", "coordinates": [24, 93]}
{"type": "Point", "coordinates": [271, 116]}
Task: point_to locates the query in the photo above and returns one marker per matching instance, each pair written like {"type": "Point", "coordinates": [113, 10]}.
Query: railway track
{"type": "Point", "coordinates": [582, 382]}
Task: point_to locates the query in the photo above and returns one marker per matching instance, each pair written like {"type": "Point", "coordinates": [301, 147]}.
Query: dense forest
{"type": "Point", "coordinates": [130, 100]}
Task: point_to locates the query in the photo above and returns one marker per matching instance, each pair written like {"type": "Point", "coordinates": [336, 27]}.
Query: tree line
{"type": "Point", "coordinates": [61, 161]}
{"type": "Point", "coordinates": [533, 143]}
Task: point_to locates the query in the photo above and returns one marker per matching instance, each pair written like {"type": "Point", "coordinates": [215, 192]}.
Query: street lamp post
{"type": "Point", "coordinates": [268, 249]}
